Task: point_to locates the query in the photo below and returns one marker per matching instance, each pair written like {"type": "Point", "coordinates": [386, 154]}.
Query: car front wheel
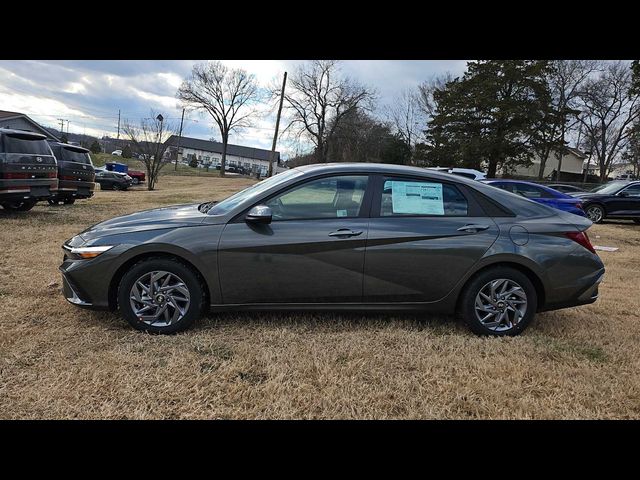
{"type": "Point", "coordinates": [595, 213]}
{"type": "Point", "coordinates": [160, 295]}
{"type": "Point", "coordinates": [499, 301]}
{"type": "Point", "coordinates": [136, 180]}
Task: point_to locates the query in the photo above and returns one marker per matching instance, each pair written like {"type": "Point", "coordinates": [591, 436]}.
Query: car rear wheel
{"type": "Point", "coordinates": [24, 206]}
{"type": "Point", "coordinates": [499, 301]}
{"type": "Point", "coordinates": [115, 186]}
{"type": "Point", "coordinates": [595, 213]}
{"type": "Point", "coordinates": [159, 295]}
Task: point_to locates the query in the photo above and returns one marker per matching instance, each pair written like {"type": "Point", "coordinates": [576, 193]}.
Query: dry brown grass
{"type": "Point", "coordinates": [58, 361]}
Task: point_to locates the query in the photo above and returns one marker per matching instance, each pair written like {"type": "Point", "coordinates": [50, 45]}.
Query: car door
{"type": "Point", "coordinates": [626, 202]}
{"type": "Point", "coordinates": [424, 235]}
{"type": "Point", "coordinates": [311, 252]}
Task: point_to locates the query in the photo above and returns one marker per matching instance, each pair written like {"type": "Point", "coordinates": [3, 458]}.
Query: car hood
{"type": "Point", "coordinates": [157, 218]}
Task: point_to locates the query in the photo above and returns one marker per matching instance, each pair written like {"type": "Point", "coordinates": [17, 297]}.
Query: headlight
{"type": "Point", "coordinates": [87, 252]}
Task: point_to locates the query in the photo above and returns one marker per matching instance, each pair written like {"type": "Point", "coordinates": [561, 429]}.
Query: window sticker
{"type": "Point", "coordinates": [418, 198]}
{"type": "Point", "coordinates": [342, 213]}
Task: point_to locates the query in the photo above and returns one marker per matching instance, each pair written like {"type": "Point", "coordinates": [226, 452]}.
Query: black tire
{"type": "Point", "coordinates": [69, 201]}
{"type": "Point", "coordinates": [594, 211]}
{"type": "Point", "coordinates": [466, 306]}
{"type": "Point", "coordinates": [636, 221]}
{"type": "Point", "coordinates": [53, 201]}
{"type": "Point", "coordinates": [24, 206]}
{"type": "Point", "coordinates": [136, 180]}
{"type": "Point", "coordinates": [115, 186]}
{"type": "Point", "coordinates": [190, 278]}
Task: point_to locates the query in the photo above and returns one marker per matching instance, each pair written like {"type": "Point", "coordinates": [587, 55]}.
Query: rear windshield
{"type": "Point", "coordinates": [16, 143]}
{"type": "Point", "coordinates": [72, 155]}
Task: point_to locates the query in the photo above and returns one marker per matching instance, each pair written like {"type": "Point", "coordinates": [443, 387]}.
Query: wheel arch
{"type": "Point", "coordinates": [530, 274]}
{"type": "Point", "coordinates": [122, 269]}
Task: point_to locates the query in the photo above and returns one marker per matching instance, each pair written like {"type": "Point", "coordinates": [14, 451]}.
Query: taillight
{"type": "Point", "coordinates": [16, 176]}
{"type": "Point", "coordinates": [582, 239]}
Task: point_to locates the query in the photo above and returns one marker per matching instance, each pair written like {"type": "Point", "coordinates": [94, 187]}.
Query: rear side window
{"type": "Point", "coordinates": [411, 197]}
{"type": "Point", "coordinates": [72, 155]}
{"type": "Point", "coordinates": [26, 145]}
{"type": "Point", "coordinates": [530, 191]}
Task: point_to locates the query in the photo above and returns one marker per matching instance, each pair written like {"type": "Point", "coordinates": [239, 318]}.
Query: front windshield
{"type": "Point", "coordinates": [251, 192]}
{"type": "Point", "coordinates": [608, 188]}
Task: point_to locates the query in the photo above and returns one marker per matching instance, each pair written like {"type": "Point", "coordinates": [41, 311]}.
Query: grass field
{"type": "Point", "coordinates": [58, 361]}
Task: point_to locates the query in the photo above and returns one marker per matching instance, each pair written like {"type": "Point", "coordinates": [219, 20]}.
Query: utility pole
{"type": "Point", "coordinates": [179, 138]}
{"type": "Point", "coordinates": [275, 135]}
{"type": "Point", "coordinates": [118, 138]}
{"type": "Point", "coordinates": [61, 126]}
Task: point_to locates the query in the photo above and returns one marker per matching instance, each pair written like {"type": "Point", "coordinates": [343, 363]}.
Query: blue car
{"type": "Point", "coordinates": [540, 193]}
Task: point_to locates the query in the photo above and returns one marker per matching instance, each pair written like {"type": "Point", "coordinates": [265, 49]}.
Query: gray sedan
{"type": "Point", "coordinates": [339, 237]}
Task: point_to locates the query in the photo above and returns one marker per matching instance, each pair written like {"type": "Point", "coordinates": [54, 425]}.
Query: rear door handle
{"type": "Point", "coordinates": [472, 228]}
{"type": "Point", "coordinates": [344, 232]}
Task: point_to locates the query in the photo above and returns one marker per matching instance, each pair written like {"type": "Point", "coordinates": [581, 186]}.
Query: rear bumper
{"type": "Point", "coordinates": [75, 189]}
{"type": "Point", "coordinates": [586, 294]}
{"type": "Point", "coordinates": [19, 190]}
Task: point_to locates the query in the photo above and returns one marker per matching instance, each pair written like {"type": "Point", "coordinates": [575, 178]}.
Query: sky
{"type": "Point", "coordinates": [88, 94]}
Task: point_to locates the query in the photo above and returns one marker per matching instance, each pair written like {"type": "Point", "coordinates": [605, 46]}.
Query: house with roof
{"type": "Point", "coordinates": [20, 121]}
{"type": "Point", "coordinates": [573, 165]}
{"type": "Point", "coordinates": [209, 153]}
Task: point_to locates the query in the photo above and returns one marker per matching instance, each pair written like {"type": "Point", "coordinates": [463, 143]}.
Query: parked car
{"type": "Point", "coordinates": [541, 194]}
{"type": "Point", "coordinates": [113, 180]}
{"type": "Point", "coordinates": [117, 153]}
{"type": "Point", "coordinates": [463, 172]}
{"type": "Point", "coordinates": [76, 176]}
{"type": "Point", "coordinates": [137, 176]}
{"type": "Point", "coordinates": [565, 188]}
{"type": "Point", "coordinates": [298, 240]}
{"type": "Point", "coordinates": [626, 176]}
{"type": "Point", "coordinates": [617, 199]}
{"type": "Point", "coordinates": [28, 169]}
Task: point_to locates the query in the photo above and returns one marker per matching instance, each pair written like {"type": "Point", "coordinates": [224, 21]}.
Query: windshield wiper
{"type": "Point", "coordinates": [205, 207]}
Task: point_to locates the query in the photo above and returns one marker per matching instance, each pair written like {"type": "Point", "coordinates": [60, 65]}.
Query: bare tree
{"type": "Point", "coordinates": [149, 137]}
{"type": "Point", "coordinates": [317, 99]}
{"type": "Point", "coordinates": [426, 102]}
{"type": "Point", "coordinates": [609, 109]}
{"type": "Point", "coordinates": [406, 117]}
{"type": "Point", "coordinates": [229, 96]}
{"type": "Point", "coordinates": [565, 80]}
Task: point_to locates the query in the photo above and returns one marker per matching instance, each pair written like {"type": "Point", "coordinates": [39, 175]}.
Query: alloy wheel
{"type": "Point", "coordinates": [501, 304]}
{"type": "Point", "coordinates": [159, 298]}
{"type": "Point", "coordinates": [595, 213]}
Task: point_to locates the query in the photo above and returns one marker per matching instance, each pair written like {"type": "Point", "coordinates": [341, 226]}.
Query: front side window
{"type": "Point", "coordinates": [633, 191]}
{"type": "Point", "coordinates": [407, 197]}
{"type": "Point", "coordinates": [331, 197]}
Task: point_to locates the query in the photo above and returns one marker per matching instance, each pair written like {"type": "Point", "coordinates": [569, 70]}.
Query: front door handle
{"type": "Point", "coordinates": [472, 228]}
{"type": "Point", "coordinates": [344, 232]}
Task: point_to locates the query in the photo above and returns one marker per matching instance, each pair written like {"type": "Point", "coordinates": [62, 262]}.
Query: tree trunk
{"type": "Point", "coordinates": [492, 168]}
{"type": "Point", "coordinates": [223, 161]}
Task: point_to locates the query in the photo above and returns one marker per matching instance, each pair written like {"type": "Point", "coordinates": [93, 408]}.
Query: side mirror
{"type": "Point", "coordinates": [259, 214]}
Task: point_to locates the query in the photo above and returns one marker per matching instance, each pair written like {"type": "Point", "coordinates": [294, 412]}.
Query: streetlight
{"type": "Point", "coordinates": [160, 118]}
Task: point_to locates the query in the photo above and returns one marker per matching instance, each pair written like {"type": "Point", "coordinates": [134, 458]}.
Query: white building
{"type": "Point", "coordinates": [573, 162]}
{"type": "Point", "coordinates": [208, 153]}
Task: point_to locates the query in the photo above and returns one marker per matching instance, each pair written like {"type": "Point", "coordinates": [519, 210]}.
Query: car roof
{"type": "Point", "coordinates": [382, 168]}
{"type": "Point", "coordinates": [71, 147]}
{"type": "Point", "coordinates": [23, 132]}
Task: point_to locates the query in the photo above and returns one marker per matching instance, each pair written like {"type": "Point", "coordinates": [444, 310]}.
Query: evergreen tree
{"type": "Point", "coordinates": [95, 147]}
{"type": "Point", "coordinates": [489, 116]}
{"type": "Point", "coordinates": [126, 152]}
